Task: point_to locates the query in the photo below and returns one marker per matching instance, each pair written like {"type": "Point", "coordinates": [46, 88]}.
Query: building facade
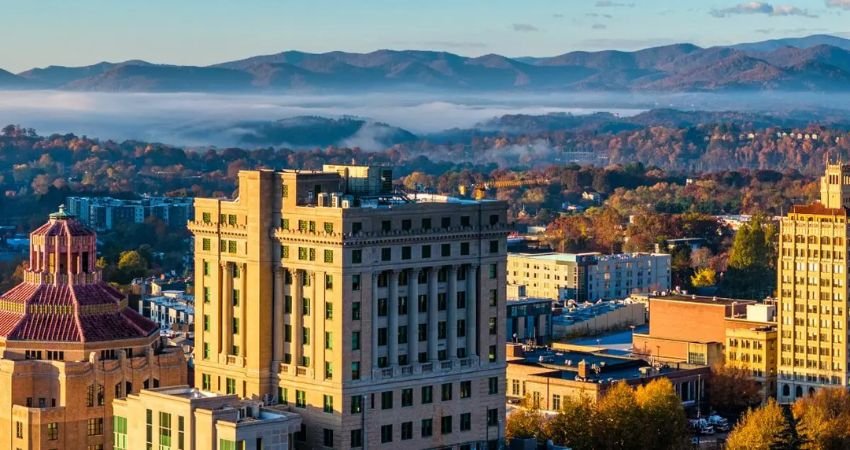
{"type": "Point", "coordinates": [529, 320]}
{"type": "Point", "coordinates": [186, 418]}
{"type": "Point", "coordinates": [589, 276]}
{"type": "Point", "coordinates": [70, 345]}
{"type": "Point", "coordinates": [105, 213]}
{"type": "Point", "coordinates": [752, 348]}
{"type": "Point", "coordinates": [812, 288]}
{"type": "Point", "coordinates": [329, 292]}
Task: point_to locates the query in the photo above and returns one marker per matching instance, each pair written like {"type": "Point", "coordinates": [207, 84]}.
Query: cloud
{"type": "Point", "coordinates": [845, 4]}
{"type": "Point", "coordinates": [613, 4]}
{"type": "Point", "coordinates": [525, 28]}
{"type": "Point", "coordinates": [787, 31]}
{"type": "Point", "coordinates": [599, 26]}
{"type": "Point", "coordinates": [601, 16]}
{"type": "Point", "coordinates": [558, 16]}
{"type": "Point", "coordinates": [762, 8]}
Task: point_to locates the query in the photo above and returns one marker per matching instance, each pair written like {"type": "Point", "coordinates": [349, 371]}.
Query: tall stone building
{"type": "Point", "coordinates": [813, 295]}
{"type": "Point", "coordinates": [378, 316]}
{"type": "Point", "coordinates": [70, 345]}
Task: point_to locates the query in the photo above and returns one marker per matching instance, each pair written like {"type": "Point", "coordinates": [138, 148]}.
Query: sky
{"type": "Point", "coordinates": [200, 32]}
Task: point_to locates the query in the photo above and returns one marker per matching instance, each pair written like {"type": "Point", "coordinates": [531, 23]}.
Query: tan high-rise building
{"type": "Point", "coordinates": [813, 296]}
{"type": "Point", "coordinates": [354, 304]}
{"type": "Point", "coordinates": [70, 345]}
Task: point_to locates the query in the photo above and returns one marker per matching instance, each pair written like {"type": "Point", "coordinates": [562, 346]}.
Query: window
{"type": "Point", "coordinates": [300, 399]}
{"type": "Point", "coordinates": [206, 350]}
{"type": "Point", "coordinates": [355, 340]}
{"type": "Point", "coordinates": [329, 282]}
{"type": "Point", "coordinates": [235, 325]}
{"type": "Point", "coordinates": [328, 437]}
{"type": "Point", "coordinates": [329, 227]}
{"type": "Point", "coordinates": [446, 250]}
{"type": "Point", "coordinates": [427, 394]}
{"type": "Point", "coordinates": [355, 370]}
{"type": "Point", "coordinates": [464, 221]}
{"type": "Point", "coordinates": [206, 294]}
{"type": "Point", "coordinates": [446, 222]}
{"type": "Point", "coordinates": [284, 223]}
{"type": "Point", "coordinates": [492, 417]}
{"type": "Point", "coordinates": [465, 421]}
{"type": "Point", "coordinates": [329, 340]}
{"type": "Point", "coordinates": [284, 190]}
{"type": "Point", "coordinates": [356, 404]}
{"type": "Point", "coordinates": [205, 244]}
{"type": "Point", "coordinates": [406, 431]}
{"type": "Point", "coordinates": [426, 251]}
{"type": "Point", "coordinates": [329, 370]}
{"type": "Point", "coordinates": [422, 303]}
{"type": "Point", "coordinates": [491, 325]}
{"type": "Point", "coordinates": [382, 336]}
{"type": "Point", "coordinates": [356, 227]}
{"type": "Point", "coordinates": [282, 395]}
{"type": "Point", "coordinates": [407, 397]}
{"type": "Point", "coordinates": [386, 254]}
{"type": "Point", "coordinates": [355, 282]}
{"type": "Point", "coordinates": [357, 438]}
{"type": "Point", "coordinates": [426, 223]}
{"type": "Point", "coordinates": [328, 404]}
{"type": "Point", "coordinates": [446, 392]}
{"type": "Point", "coordinates": [465, 389]}
{"type": "Point", "coordinates": [427, 428]}
{"type": "Point", "coordinates": [206, 382]}
{"type": "Point", "coordinates": [406, 252]}
{"type": "Point", "coordinates": [305, 335]}
{"type": "Point", "coordinates": [494, 246]}
{"type": "Point", "coordinates": [494, 219]}
{"type": "Point", "coordinates": [355, 310]}
{"type": "Point", "coordinates": [386, 225]}
{"type": "Point", "coordinates": [94, 395]}
{"type": "Point", "coordinates": [442, 301]}
{"type": "Point", "coordinates": [464, 248]}
{"type": "Point", "coordinates": [312, 254]}
{"type": "Point", "coordinates": [284, 251]}
{"type": "Point", "coordinates": [382, 307]}
{"type": "Point", "coordinates": [287, 333]}
{"type": "Point", "coordinates": [492, 271]}
{"type": "Point", "coordinates": [235, 296]}
{"type": "Point", "coordinates": [402, 334]}
{"type": "Point", "coordinates": [402, 306]}
{"type": "Point", "coordinates": [329, 256]}
{"type": "Point", "coordinates": [53, 430]}
{"type": "Point", "coordinates": [491, 357]}
{"type": "Point", "coordinates": [494, 297]}
{"type": "Point", "coordinates": [446, 425]}
{"type": "Point", "coordinates": [386, 434]}
{"type": "Point", "coordinates": [206, 266]}
{"type": "Point", "coordinates": [164, 430]}
{"type": "Point", "coordinates": [224, 444]}
{"type": "Point", "coordinates": [95, 426]}
{"type": "Point", "coordinates": [441, 329]}
{"type": "Point", "coordinates": [423, 332]}
{"type": "Point", "coordinates": [230, 386]}
{"type": "Point", "coordinates": [493, 385]}
{"type": "Point", "coordinates": [387, 400]}
{"type": "Point", "coordinates": [461, 328]}
{"type": "Point", "coordinates": [556, 402]}
{"type": "Point", "coordinates": [305, 306]}
{"type": "Point", "coordinates": [356, 256]}
{"type": "Point", "coordinates": [206, 322]}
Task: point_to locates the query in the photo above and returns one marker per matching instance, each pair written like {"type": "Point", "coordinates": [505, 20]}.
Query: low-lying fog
{"type": "Point", "coordinates": [175, 118]}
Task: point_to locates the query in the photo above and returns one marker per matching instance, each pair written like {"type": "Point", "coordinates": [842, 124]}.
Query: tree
{"type": "Point", "coordinates": [572, 426]}
{"type": "Point", "coordinates": [525, 423]}
{"type": "Point", "coordinates": [751, 259]}
{"type": "Point", "coordinates": [663, 417]}
{"type": "Point", "coordinates": [732, 390]}
{"type": "Point", "coordinates": [617, 424]}
{"type": "Point", "coordinates": [765, 428]}
{"type": "Point", "coordinates": [823, 420]}
{"type": "Point", "coordinates": [131, 265]}
{"type": "Point", "coordinates": [704, 277]}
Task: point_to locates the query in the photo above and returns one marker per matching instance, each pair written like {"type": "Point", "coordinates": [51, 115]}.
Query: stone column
{"type": "Point", "coordinates": [471, 310]}
{"type": "Point", "coordinates": [432, 314]}
{"type": "Point", "coordinates": [227, 308]}
{"type": "Point", "coordinates": [297, 317]}
{"type": "Point", "coordinates": [451, 314]}
{"type": "Point", "coordinates": [243, 314]}
{"type": "Point", "coordinates": [374, 295]}
{"type": "Point", "coordinates": [277, 317]}
{"type": "Point", "coordinates": [392, 325]}
{"type": "Point", "coordinates": [413, 316]}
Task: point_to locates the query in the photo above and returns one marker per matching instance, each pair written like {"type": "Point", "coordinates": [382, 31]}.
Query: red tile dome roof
{"type": "Point", "coordinates": [62, 297]}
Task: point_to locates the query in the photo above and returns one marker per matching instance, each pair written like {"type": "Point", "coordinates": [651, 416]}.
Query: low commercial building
{"type": "Point", "coordinates": [585, 319]}
{"type": "Point", "coordinates": [181, 417]}
{"type": "Point", "coordinates": [105, 213]}
{"type": "Point", "coordinates": [529, 320]}
{"type": "Point", "coordinates": [173, 309]}
{"type": "Point", "coordinates": [751, 345]}
{"type": "Point", "coordinates": [547, 377]}
{"type": "Point", "coordinates": [589, 276]}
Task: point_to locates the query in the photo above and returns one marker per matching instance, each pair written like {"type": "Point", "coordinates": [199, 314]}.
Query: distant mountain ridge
{"type": "Point", "coordinates": [814, 63]}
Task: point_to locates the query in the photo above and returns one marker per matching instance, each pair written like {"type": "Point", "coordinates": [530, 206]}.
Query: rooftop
{"type": "Point", "coordinates": [574, 257]}
{"type": "Point", "coordinates": [705, 300]}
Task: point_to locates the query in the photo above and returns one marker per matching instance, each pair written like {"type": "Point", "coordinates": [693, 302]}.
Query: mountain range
{"type": "Point", "coordinates": [814, 63]}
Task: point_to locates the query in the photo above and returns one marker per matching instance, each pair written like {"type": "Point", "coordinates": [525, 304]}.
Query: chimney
{"type": "Point", "coordinates": [514, 350]}
{"type": "Point", "coordinates": [582, 369]}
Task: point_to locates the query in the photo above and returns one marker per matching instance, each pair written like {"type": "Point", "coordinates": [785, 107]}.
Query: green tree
{"type": "Point", "coordinates": [525, 423]}
{"type": "Point", "coordinates": [131, 265]}
{"type": "Point", "coordinates": [750, 271]}
{"type": "Point", "coordinates": [765, 428]}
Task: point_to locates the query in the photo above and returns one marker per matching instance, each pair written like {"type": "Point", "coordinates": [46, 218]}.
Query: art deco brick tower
{"type": "Point", "coordinates": [69, 345]}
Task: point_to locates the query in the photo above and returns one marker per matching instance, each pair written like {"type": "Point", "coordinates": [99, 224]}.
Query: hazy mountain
{"type": "Point", "coordinates": [801, 42]}
{"type": "Point", "coordinates": [815, 63]}
{"type": "Point", "coordinates": [11, 81]}
{"type": "Point", "coordinates": [308, 132]}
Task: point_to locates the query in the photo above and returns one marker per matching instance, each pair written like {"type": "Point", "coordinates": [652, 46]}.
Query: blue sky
{"type": "Point", "coordinates": [79, 32]}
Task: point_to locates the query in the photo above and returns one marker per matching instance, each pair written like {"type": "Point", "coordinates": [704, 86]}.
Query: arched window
{"type": "Point", "coordinates": [798, 392]}
{"type": "Point", "coordinates": [786, 390]}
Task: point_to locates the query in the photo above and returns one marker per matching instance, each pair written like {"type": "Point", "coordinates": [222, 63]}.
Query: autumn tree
{"type": "Point", "coordinates": [764, 428]}
{"type": "Point", "coordinates": [662, 416]}
{"type": "Point", "coordinates": [732, 390]}
{"type": "Point", "coordinates": [823, 420]}
{"type": "Point", "coordinates": [617, 424]}
{"type": "Point", "coordinates": [573, 425]}
{"type": "Point", "coordinates": [704, 277]}
{"type": "Point", "coordinates": [525, 423]}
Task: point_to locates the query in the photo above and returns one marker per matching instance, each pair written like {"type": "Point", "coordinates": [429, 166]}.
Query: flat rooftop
{"type": "Point", "coordinates": [705, 300]}
{"type": "Point", "coordinates": [573, 257]}
{"type": "Point", "coordinates": [602, 366]}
